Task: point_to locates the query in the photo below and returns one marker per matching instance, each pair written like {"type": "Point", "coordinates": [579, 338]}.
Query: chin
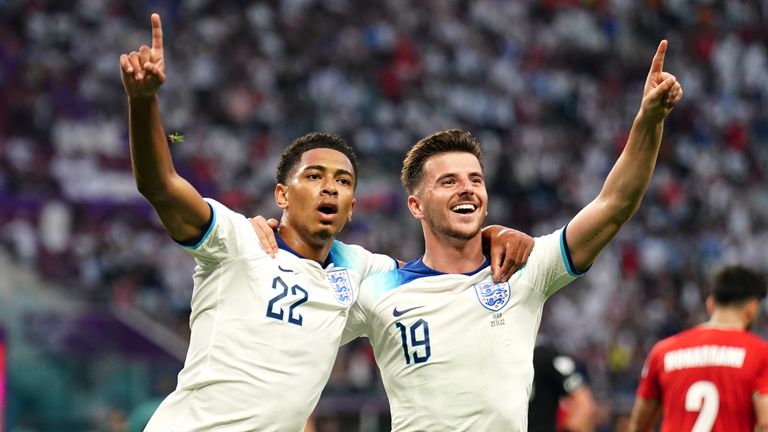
{"type": "Point", "coordinates": [461, 234]}
{"type": "Point", "coordinates": [465, 235]}
{"type": "Point", "coordinates": [326, 232]}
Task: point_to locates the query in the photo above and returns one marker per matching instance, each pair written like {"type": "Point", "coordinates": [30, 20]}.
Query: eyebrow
{"type": "Point", "coordinates": [453, 174]}
{"type": "Point", "coordinates": [323, 168]}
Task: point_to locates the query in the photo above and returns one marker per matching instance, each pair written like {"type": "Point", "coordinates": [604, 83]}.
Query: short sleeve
{"type": "Point", "coordinates": [361, 260]}
{"type": "Point", "coordinates": [650, 387]}
{"type": "Point", "coordinates": [229, 235]}
{"type": "Point", "coordinates": [378, 263]}
{"type": "Point", "coordinates": [549, 266]}
{"type": "Point", "coordinates": [356, 324]}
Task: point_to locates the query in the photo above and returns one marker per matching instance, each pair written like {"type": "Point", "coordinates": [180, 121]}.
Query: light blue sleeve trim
{"type": "Point", "coordinates": [204, 237]}
{"type": "Point", "coordinates": [567, 261]}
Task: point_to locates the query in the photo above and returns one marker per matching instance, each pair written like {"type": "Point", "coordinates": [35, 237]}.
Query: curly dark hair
{"type": "Point", "coordinates": [452, 140]}
{"type": "Point", "coordinates": [292, 154]}
{"type": "Point", "coordinates": [734, 285]}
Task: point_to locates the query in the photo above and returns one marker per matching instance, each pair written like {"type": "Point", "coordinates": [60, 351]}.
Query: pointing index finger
{"type": "Point", "coordinates": [657, 65]}
{"type": "Point", "coordinates": [157, 37]}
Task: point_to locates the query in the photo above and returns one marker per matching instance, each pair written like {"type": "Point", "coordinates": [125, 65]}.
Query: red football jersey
{"type": "Point", "coordinates": [705, 379]}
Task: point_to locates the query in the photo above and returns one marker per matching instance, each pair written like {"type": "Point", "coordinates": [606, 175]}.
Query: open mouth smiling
{"type": "Point", "coordinates": [464, 208]}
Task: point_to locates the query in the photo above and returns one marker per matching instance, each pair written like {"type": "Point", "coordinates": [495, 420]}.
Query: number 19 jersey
{"type": "Point", "coordinates": [456, 350]}
{"type": "Point", "coordinates": [265, 332]}
{"type": "Point", "coordinates": [705, 379]}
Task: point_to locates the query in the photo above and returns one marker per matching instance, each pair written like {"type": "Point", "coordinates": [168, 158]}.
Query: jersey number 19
{"type": "Point", "coordinates": [417, 346]}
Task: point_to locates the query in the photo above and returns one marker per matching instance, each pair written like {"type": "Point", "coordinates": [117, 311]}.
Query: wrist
{"type": "Point", "coordinates": [648, 119]}
{"type": "Point", "coordinates": [141, 99]}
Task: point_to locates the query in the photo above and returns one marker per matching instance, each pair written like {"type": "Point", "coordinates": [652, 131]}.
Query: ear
{"type": "Point", "coordinates": [414, 205]}
{"type": "Point", "coordinates": [281, 196]}
{"type": "Point", "coordinates": [351, 210]}
{"type": "Point", "coordinates": [710, 305]}
{"type": "Point", "coordinates": [752, 310]}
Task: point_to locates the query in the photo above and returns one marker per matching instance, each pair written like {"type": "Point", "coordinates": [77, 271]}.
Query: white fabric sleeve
{"type": "Point", "coordinates": [361, 260]}
{"type": "Point", "coordinates": [229, 236]}
{"type": "Point", "coordinates": [357, 322]}
{"type": "Point", "coordinates": [549, 266]}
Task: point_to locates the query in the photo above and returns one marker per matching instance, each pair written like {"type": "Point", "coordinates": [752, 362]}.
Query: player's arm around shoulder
{"type": "Point", "coordinates": [182, 210]}
{"type": "Point", "coordinates": [509, 250]}
{"type": "Point", "coordinates": [595, 225]}
{"type": "Point", "coordinates": [354, 257]}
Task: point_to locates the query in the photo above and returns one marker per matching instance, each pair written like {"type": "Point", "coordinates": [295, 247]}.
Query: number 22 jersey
{"type": "Point", "coordinates": [705, 379]}
{"type": "Point", "coordinates": [265, 332]}
{"type": "Point", "coordinates": [456, 350]}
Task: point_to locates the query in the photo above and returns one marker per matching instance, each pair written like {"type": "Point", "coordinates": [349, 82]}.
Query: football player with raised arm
{"type": "Point", "coordinates": [264, 332]}
{"type": "Point", "coordinates": [713, 377]}
{"type": "Point", "coordinates": [454, 348]}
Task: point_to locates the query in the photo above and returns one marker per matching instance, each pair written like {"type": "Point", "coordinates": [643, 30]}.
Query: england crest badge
{"type": "Point", "coordinates": [491, 295]}
{"type": "Point", "coordinates": [342, 288]}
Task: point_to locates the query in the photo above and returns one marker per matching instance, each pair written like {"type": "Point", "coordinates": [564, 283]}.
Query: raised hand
{"type": "Point", "coordinates": [143, 72]}
{"type": "Point", "coordinates": [662, 91]}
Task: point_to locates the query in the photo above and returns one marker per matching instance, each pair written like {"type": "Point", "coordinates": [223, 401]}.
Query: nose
{"type": "Point", "coordinates": [329, 187]}
{"type": "Point", "coordinates": [466, 187]}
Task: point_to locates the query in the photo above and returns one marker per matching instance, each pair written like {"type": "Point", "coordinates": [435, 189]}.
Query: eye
{"type": "Point", "coordinates": [448, 182]}
{"type": "Point", "coordinates": [477, 180]}
{"type": "Point", "coordinates": [313, 176]}
{"type": "Point", "coordinates": [345, 181]}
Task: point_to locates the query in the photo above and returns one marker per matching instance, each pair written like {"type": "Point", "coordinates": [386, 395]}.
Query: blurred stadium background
{"type": "Point", "coordinates": [94, 298]}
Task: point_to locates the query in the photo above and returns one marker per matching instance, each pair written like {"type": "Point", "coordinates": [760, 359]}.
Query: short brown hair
{"type": "Point", "coordinates": [452, 140]}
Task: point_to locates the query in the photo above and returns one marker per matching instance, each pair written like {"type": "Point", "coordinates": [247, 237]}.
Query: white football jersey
{"type": "Point", "coordinates": [456, 350]}
{"type": "Point", "coordinates": [265, 332]}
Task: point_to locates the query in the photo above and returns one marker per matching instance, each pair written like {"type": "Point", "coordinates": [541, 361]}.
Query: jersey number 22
{"type": "Point", "coordinates": [298, 295]}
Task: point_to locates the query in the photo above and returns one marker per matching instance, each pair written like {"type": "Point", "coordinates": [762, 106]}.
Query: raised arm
{"type": "Point", "coordinates": [179, 205]}
{"type": "Point", "coordinates": [597, 223]}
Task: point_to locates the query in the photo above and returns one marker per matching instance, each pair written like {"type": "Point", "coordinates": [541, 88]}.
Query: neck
{"type": "Point", "coordinates": [303, 243]}
{"type": "Point", "coordinates": [450, 255]}
{"type": "Point", "coordinates": [728, 318]}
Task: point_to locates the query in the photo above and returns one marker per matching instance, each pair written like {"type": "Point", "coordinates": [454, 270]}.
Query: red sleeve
{"type": "Point", "coordinates": [649, 387]}
{"type": "Point", "coordinates": [761, 383]}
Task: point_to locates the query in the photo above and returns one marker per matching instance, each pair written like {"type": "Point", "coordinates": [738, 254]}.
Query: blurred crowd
{"type": "Point", "coordinates": [549, 87]}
